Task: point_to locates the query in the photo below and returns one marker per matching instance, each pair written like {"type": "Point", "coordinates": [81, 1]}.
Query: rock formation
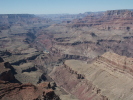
{"type": "Point", "coordinates": [19, 19]}
{"type": "Point", "coordinates": [107, 77]}
{"type": "Point", "coordinates": [6, 71]}
{"type": "Point", "coordinates": [113, 19]}
{"type": "Point", "coordinates": [33, 46]}
{"type": "Point", "coordinates": [18, 91]}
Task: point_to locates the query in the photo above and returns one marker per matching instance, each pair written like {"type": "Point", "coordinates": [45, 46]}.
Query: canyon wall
{"type": "Point", "coordinates": [12, 89]}
{"type": "Point", "coordinates": [102, 79]}
{"type": "Point", "coordinates": [112, 19]}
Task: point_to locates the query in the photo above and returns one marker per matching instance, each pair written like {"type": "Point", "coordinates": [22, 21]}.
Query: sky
{"type": "Point", "coordinates": [61, 6]}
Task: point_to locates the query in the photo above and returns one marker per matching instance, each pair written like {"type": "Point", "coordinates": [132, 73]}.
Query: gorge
{"type": "Point", "coordinates": [86, 56]}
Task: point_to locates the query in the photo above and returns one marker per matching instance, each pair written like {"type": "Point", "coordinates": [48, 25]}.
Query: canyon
{"type": "Point", "coordinates": [85, 56]}
{"type": "Point", "coordinates": [10, 89]}
{"type": "Point", "coordinates": [108, 77]}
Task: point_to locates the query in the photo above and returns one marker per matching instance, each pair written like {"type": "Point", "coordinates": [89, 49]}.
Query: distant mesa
{"type": "Point", "coordinates": [113, 19]}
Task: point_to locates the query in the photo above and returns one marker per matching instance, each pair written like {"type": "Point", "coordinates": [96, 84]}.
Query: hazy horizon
{"type": "Point", "coordinates": [61, 6]}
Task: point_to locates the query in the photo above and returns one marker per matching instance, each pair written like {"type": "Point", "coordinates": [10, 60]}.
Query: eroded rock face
{"type": "Point", "coordinates": [120, 62]}
{"type": "Point", "coordinates": [102, 79]}
{"type": "Point", "coordinates": [114, 19]}
{"type": "Point", "coordinates": [16, 91]}
{"type": "Point", "coordinates": [6, 71]}
{"type": "Point", "coordinates": [75, 84]}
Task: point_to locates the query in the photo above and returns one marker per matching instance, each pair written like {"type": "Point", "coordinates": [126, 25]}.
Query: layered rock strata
{"type": "Point", "coordinates": [18, 91]}
{"type": "Point", "coordinates": [113, 19]}
{"type": "Point", "coordinates": [103, 79]}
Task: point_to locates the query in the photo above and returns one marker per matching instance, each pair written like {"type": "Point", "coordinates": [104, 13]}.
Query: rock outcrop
{"type": "Point", "coordinates": [10, 90]}
{"type": "Point", "coordinates": [6, 71]}
{"type": "Point", "coordinates": [119, 62]}
{"type": "Point", "coordinates": [107, 77]}
{"type": "Point", "coordinates": [16, 91]}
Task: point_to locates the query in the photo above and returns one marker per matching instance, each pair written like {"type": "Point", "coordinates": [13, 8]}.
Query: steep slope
{"type": "Point", "coordinates": [18, 91]}
{"type": "Point", "coordinates": [108, 77]}
{"type": "Point", "coordinates": [6, 71]}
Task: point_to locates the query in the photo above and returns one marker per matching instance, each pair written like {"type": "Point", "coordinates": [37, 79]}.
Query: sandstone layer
{"type": "Point", "coordinates": [103, 79]}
